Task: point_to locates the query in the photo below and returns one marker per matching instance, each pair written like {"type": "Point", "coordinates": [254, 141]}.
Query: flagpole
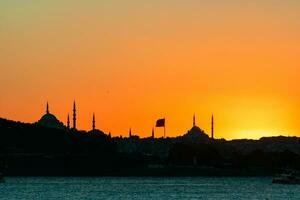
{"type": "Point", "coordinates": [165, 129]}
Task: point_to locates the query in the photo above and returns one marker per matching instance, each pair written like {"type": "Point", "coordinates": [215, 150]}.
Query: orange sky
{"type": "Point", "coordinates": [132, 62]}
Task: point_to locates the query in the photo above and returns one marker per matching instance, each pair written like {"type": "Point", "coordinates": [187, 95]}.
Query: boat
{"type": "Point", "coordinates": [289, 178]}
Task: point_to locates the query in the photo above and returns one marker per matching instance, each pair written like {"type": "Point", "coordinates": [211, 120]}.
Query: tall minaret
{"type": "Point", "coordinates": [194, 120]}
{"type": "Point", "coordinates": [94, 122]}
{"type": "Point", "coordinates": [74, 115]}
{"type": "Point", "coordinates": [212, 126]}
{"type": "Point", "coordinates": [130, 132]}
{"type": "Point", "coordinates": [47, 108]}
{"type": "Point", "coordinates": [68, 121]}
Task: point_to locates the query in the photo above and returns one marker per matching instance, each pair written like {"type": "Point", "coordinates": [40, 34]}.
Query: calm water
{"type": "Point", "coordinates": [145, 188]}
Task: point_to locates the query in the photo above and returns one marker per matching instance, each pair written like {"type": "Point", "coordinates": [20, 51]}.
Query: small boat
{"type": "Point", "coordinates": [286, 179]}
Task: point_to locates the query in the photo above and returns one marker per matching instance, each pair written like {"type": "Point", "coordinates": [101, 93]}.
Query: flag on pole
{"type": "Point", "coordinates": [160, 123]}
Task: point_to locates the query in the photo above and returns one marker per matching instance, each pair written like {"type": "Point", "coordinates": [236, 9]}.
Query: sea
{"type": "Point", "coordinates": [160, 188]}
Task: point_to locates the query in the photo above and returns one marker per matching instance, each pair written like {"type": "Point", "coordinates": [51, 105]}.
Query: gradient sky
{"type": "Point", "coordinates": [132, 62]}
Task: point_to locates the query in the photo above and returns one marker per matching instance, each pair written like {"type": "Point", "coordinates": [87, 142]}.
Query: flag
{"type": "Point", "coordinates": [160, 123]}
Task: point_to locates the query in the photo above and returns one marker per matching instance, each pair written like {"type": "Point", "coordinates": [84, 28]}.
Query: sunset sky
{"type": "Point", "coordinates": [132, 62]}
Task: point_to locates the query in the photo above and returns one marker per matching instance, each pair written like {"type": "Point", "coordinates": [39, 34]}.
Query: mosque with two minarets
{"type": "Point", "coordinates": [49, 120]}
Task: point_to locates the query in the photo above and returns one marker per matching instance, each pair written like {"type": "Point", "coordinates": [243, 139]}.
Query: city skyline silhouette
{"type": "Point", "coordinates": [50, 120]}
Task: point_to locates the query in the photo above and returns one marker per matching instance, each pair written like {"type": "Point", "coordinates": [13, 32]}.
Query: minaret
{"type": "Point", "coordinates": [94, 122]}
{"type": "Point", "coordinates": [194, 120]}
{"type": "Point", "coordinates": [130, 132]}
{"type": "Point", "coordinates": [212, 126]}
{"type": "Point", "coordinates": [68, 121]}
{"type": "Point", "coordinates": [74, 115]}
{"type": "Point", "coordinates": [152, 132]}
{"type": "Point", "coordinates": [47, 108]}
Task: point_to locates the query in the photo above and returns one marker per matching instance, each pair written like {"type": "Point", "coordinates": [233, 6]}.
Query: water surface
{"type": "Point", "coordinates": [145, 188]}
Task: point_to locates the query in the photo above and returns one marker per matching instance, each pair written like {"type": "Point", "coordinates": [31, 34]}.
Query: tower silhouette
{"type": "Point", "coordinates": [130, 132]}
{"type": "Point", "coordinates": [68, 121]}
{"type": "Point", "coordinates": [74, 115]}
{"type": "Point", "coordinates": [194, 120]}
{"type": "Point", "coordinates": [47, 108]}
{"type": "Point", "coordinates": [212, 126]}
{"type": "Point", "coordinates": [94, 122]}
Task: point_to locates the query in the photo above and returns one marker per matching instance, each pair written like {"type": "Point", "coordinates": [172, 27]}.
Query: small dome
{"type": "Point", "coordinates": [97, 132]}
{"type": "Point", "coordinates": [49, 120]}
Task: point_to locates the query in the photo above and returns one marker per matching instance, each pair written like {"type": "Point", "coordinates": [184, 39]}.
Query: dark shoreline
{"type": "Point", "coordinates": [33, 150]}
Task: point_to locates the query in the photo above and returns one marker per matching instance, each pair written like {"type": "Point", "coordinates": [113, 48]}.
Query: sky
{"type": "Point", "coordinates": [132, 62]}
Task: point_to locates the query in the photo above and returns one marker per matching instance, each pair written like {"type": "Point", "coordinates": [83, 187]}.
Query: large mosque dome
{"type": "Point", "coordinates": [196, 133]}
{"type": "Point", "coordinates": [49, 120]}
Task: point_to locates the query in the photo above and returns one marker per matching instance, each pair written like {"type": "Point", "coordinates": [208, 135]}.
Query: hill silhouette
{"type": "Point", "coordinates": [32, 149]}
